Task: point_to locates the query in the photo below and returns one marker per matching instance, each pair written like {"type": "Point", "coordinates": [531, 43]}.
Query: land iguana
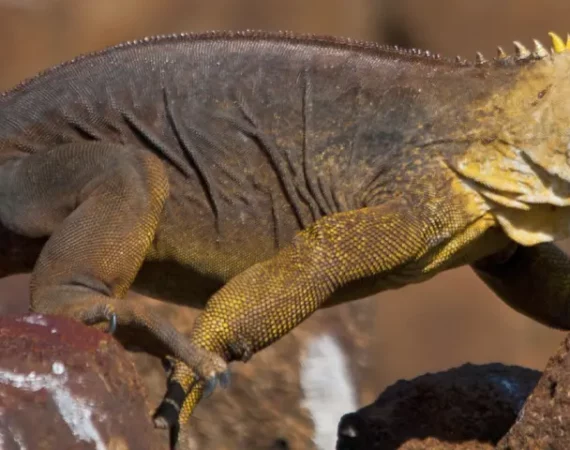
{"type": "Point", "coordinates": [263, 176]}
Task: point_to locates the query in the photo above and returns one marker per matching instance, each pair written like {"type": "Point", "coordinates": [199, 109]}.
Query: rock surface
{"type": "Point", "coordinates": [470, 407]}
{"type": "Point", "coordinates": [67, 386]}
{"type": "Point", "coordinates": [544, 422]}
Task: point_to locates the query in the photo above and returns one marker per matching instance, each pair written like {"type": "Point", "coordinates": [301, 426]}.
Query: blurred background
{"type": "Point", "coordinates": [442, 323]}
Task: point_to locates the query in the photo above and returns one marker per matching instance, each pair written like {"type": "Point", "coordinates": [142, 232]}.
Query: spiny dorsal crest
{"type": "Point", "coordinates": [523, 54]}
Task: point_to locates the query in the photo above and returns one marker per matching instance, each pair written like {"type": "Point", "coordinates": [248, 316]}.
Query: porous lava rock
{"type": "Point", "coordinates": [544, 421]}
{"type": "Point", "coordinates": [469, 407]}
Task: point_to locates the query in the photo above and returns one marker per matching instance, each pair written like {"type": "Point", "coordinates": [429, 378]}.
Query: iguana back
{"type": "Point", "coordinates": [262, 134]}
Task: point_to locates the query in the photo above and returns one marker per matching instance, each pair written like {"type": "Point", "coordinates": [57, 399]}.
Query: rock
{"type": "Point", "coordinates": [64, 385]}
{"type": "Point", "coordinates": [470, 407]}
{"type": "Point", "coordinates": [544, 421]}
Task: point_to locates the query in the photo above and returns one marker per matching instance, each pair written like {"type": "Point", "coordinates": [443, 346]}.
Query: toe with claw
{"type": "Point", "coordinates": [222, 379]}
{"type": "Point", "coordinates": [112, 318]}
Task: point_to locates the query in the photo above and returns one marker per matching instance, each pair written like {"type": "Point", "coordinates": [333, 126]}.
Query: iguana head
{"type": "Point", "coordinates": [519, 155]}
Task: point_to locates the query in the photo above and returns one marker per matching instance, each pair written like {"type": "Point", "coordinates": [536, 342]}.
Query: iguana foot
{"type": "Point", "coordinates": [223, 379]}
{"type": "Point", "coordinates": [112, 324]}
{"type": "Point", "coordinates": [92, 309]}
{"type": "Point", "coordinates": [186, 388]}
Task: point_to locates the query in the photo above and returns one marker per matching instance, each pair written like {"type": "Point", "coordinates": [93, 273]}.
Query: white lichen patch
{"type": "Point", "coordinates": [18, 438]}
{"type": "Point", "coordinates": [2, 439]}
{"type": "Point", "coordinates": [13, 434]}
{"type": "Point", "coordinates": [34, 319]}
{"type": "Point", "coordinates": [57, 368]}
{"type": "Point", "coordinates": [75, 411]}
{"type": "Point", "coordinates": [327, 388]}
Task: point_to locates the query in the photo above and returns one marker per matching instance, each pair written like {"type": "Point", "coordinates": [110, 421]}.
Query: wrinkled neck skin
{"type": "Point", "coordinates": [520, 163]}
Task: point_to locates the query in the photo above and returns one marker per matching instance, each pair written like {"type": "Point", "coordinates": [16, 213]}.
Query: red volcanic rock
{"type": "Point", "coordinates": [64, 385]}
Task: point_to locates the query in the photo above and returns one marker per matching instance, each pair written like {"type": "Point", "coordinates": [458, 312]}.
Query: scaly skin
{"type": "Point", "coordinates": [262, 177]}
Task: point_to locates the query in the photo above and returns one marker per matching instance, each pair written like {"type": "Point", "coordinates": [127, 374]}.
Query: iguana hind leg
{"type": "Point", "coordinates": [533, 280]}
{"type": "Point", "coordinates": [266, 301]}
{"type": "Point", "coordinates": [100, 205]}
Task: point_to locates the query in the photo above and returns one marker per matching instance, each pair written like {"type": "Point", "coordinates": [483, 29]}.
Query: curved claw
{"type": "Point", "coordinates": [112, 323]}
{"type": "Point", "coordinates": [225, 378]}
{"type": "Point", "coordinates": [167, 365]}
{"type": "Point", "coordinates": [210, 386]}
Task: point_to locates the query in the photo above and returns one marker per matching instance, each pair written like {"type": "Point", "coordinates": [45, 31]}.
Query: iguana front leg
{"type": "Point", "coordinates": [266, 301]}
{"type": "Point", "coordinates": [100, 205]}
{"type": "Point", "coordinates": [533, 280]}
